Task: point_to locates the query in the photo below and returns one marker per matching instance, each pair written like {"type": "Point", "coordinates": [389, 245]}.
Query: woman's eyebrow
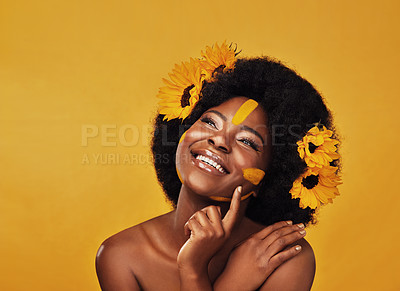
{"type": "Point", "coordinates": [246, 128]}
{"type": "Point", "coordinates": [218, 113]}
{"type": "Point", "coordinates": [242, 127]}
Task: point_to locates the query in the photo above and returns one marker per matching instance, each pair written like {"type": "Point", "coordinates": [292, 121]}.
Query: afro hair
{"type": "Point", "coordinates": [292, 106]}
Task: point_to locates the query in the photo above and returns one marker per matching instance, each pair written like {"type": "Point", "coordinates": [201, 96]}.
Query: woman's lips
{"type": "Point", "coordinates": [207, 163]}
{"type": "Point", "coordinates": [206, 167]}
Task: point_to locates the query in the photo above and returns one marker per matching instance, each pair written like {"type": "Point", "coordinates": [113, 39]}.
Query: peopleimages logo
{"type": "Point", "coordinates": [110, 135]}
{"type": "Point", "coordinates": [112, 138]}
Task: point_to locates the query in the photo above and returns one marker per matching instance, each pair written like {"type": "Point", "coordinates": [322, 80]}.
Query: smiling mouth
{"type": "Point", "coordinates": [211, 162]}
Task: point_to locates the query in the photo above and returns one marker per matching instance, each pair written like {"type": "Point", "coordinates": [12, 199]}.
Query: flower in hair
{"type": "Point", "coordinates": [318, 185]}
{"type": "Point", "coordinates": [218, 58]}
{"type": "Point", "coordinates": [182, 90]}
{"type": "Point", "coordinates": [317, 148]}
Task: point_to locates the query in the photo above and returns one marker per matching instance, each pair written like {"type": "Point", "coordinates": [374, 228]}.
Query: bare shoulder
{"type": "Point", "coordinates": [296, 273]}
{"type": "Point", "coordinates": [307, 251]}
{"type": "Point", "coordinates": [131, 241]}
{"type": "Point", "coordinates": [305, 260]}
{"type": "Point", "coordinates": [118, 254]}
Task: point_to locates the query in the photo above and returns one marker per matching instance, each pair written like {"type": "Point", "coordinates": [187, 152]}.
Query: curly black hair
{"type": "Point", "coordinates": [292, 105]}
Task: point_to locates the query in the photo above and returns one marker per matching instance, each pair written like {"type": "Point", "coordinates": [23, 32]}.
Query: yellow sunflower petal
{"type": "Point", "coordinates": [216, 56]}
{"type": "Point", "coordinates": [322, 193]}
{"type": "Point", "coordinates": [182, 76]}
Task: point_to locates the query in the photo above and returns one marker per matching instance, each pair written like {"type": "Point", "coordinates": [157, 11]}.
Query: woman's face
{"type": "Point", "coordinates": [214, 151]}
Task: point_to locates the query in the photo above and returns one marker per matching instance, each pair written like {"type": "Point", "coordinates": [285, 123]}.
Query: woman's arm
{"type": "Point", "coordinates": [194, 280]}
{"type": "Point", "coordinates": [296, 274]}
{"type": "Point", "coordinates": [266, 258]}
{"type": "Point", "coordinates": [113, 270]}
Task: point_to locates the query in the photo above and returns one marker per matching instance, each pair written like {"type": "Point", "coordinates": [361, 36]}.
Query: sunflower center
{"type": "Point", "coordinates": [311, 147]}
{"type": "Point", "coordinates": [310, 181]}
{"type": "Point", "coordinates": [185, 96]}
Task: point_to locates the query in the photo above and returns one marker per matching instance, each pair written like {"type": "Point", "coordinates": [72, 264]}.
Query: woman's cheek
{"type": "Point", "coordinates": [253, 175]}
{"type": "Point", "coordinates": [178, 162]}
{"type": "Point", "coordinates": [249, 171]}
{"type": "Point", "coordinates": [195, 133]}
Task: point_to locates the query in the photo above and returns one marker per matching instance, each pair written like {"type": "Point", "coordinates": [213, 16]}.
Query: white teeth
{"type": "Point", "coordinates": [211, 162]}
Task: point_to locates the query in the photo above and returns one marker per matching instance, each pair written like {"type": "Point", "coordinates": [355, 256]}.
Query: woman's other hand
{"type": "Point", "coordinates": [208, 233]}
{"type": "Point", "coordinates": [253, 261]}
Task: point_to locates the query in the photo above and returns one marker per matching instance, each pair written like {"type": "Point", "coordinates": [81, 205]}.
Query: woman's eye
{"type": "Point", "coordinates": [251, 143]}
{"type": "Point", "coordinates": [209, 121]}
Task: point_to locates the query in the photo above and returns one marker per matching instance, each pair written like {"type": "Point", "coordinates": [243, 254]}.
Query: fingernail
{"type": "Point", "coordinates": [289, 222]}
{"type": "Point", "coordinates": [297, 248]}
{"type": "Point", "coordinates": [302, 231]}
{"type": "Point", "coordinates": [300, 225]}
{"type": "Point", "coordinates": [239, 189]}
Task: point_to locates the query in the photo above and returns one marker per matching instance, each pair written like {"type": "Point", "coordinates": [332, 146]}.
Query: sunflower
{"type": "Point", "coordinates": [218, 57]}
{"type": "Point", "coordinates": [181, 92]}
{"type": "Point", "coordinates": [317, 148]}
{"type": "Point", "coordinates": [316, 187]}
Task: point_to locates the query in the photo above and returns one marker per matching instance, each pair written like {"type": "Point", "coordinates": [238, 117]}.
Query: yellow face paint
{"type": "Point", "coordinates": [244, 111]}
{"type": "Point", "coordinates": [227, 199]}
{"type": "Point", "coordinates": [182, 137]}
{"type": "Point", "coordinates": [179, 175]}
{"type": "Point", "coordinates": [253, 175]}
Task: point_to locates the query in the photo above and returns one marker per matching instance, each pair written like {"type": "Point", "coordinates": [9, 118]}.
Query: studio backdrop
{"type": "Point", "coordinates": [78, 86]}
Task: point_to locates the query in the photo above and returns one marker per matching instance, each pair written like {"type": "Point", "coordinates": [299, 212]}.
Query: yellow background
{"type": "Point", "coordinates": [69, 64]}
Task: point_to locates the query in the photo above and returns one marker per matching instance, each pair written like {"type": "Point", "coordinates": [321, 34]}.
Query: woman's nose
{"type": "Point", "coordinates": [220, 143]}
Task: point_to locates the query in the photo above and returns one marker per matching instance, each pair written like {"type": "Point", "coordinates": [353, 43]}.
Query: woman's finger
{"type": "Point", "coordinates": [213, 213]}
{"type": "Point", "coordinates": [232, 215]}
{"type": "Point", "coordinates": [283, 256]}
{"type": "Point", "coordinates": [282, 242]}
{"type": "Point", "coordinates": [202, 218]}
{"type": "Point", "coordinates": [192, 225]}
{"type": "Point", "coordinates": [215, 218]}
{"type": "Point", "coordinates": [282, 232]}
{"type": "Point", "coordinates": [262, 234]}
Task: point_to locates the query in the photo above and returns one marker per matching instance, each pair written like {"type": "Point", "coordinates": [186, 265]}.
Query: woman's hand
{"type": "Point", "coordinates": [253, 261]}
{"type": "Point", "coordinates": [208, 233]}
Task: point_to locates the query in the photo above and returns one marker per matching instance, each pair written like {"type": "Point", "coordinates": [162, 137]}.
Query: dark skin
{"type": "Point", "coordinates": [205, 244]}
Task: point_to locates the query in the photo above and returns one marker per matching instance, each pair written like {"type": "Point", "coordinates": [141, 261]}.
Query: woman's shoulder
{"type": "Point", "coordinates": [132, 239]}
{"type": "Point", "coordinates": [300, 268]}
{"type": "Point", "coordinates": [295, 274]}
{"type": "Point", "coordinates": [124, 241]}
{"type": "Point", "coordinates": [128, 245]}
{"type": "Point", "coordinates": [119, 255]}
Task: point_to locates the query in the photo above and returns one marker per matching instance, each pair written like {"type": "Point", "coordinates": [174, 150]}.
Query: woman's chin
{"type": "Point", "coordinates": [206, 188]}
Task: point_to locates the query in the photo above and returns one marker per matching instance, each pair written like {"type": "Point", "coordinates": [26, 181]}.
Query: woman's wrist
{"type": "Point", "coordinates": [227, 282]}
{"type": "Point", "coordinates": [191, 267]}
{"type": "Point", "coordinates": [193, 272]}
{"type": "Point", "coordinates": [194, 279]}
